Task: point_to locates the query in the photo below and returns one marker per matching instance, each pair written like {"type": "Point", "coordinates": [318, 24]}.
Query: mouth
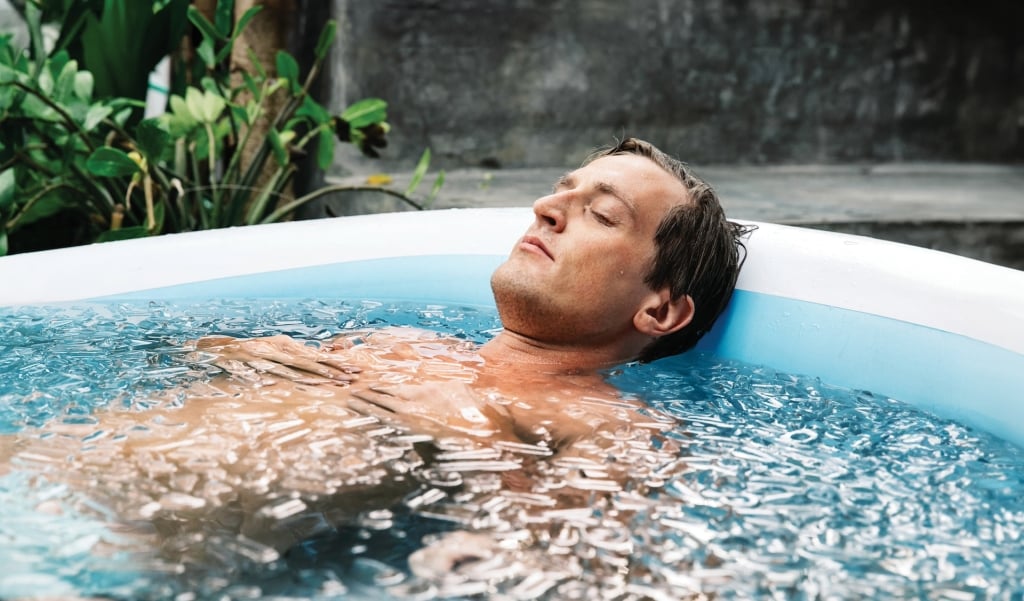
{"type": "Point", "coordinates": [535, 245]}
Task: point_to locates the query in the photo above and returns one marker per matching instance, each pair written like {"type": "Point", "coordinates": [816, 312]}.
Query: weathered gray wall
{"type": "Point", "coordinates": [541, 82]}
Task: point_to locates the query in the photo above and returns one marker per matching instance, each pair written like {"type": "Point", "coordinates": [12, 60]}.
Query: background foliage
{"type": "Point", "coordinates": [79, 164]}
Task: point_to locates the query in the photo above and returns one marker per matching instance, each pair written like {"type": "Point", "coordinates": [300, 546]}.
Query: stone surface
{"type": "Point", "coordinates": [529, 83]}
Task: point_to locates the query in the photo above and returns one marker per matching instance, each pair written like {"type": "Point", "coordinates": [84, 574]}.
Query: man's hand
{"type": "Point", "coordinates": [282, 356]}
{"type": "Point", "coordinates": [438, 410]}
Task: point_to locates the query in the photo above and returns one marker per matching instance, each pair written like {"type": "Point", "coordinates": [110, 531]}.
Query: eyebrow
{"type": "Point", "coordinates": [568, 179]}
{"type": "Point", "coordinates": [565, 180]}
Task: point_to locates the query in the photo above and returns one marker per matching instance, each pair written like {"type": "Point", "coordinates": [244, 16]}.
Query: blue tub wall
{"type": "Point", "coordinates": [939, 331]}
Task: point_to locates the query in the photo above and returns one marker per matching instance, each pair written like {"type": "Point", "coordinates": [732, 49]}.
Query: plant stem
{"type": "Point", "coordinates": [32, 201]}
{"type": "Point", "coordinates": [68, 121]}
{"type": "Point", "coordinates": [33, 18]}
{"type": "Point", "coordinates": [235, 203]}
{"type": "Point", "coordinates": [147, 190]}
{"type": "Point", "coordinates": [204, 219]}
{"type": "Point", "coordinates": [95, 185]}
{"type": "Point", "coordinates": [298, 202]}
{"type": "Point", "coordinates": [260, 204]}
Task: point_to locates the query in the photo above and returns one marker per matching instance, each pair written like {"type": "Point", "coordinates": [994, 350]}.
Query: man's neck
{"type": "Point", "coordinates": [517, 351]}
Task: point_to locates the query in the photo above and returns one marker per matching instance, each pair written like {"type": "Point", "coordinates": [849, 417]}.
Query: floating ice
{"type": "Point", "coordinates": [766, 485]}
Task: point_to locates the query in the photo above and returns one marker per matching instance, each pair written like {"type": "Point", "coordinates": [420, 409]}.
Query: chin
{"type": "Point", "coordinates": [521, 305]}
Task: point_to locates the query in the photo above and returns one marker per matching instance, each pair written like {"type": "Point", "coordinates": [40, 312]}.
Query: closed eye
{"type": "Point", "coordinates": [602, 218]}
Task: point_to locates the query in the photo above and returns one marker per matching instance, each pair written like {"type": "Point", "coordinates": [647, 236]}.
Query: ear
{"type": "Point", "coordinates": [659, 315]}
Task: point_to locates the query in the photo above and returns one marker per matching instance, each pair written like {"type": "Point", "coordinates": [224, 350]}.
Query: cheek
{"type": "Point", "coordinates": [614, 277]}
{"type": "Point", "coordinates": [609, 267]}
{"type": "Point", "coordinates": [627, 266]}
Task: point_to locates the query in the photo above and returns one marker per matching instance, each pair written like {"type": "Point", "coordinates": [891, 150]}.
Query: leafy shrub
{"type": "Point", "coordinates": [77, 167]}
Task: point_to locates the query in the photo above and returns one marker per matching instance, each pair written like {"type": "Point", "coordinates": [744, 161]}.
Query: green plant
{"type": "Point", "coordinates": [118, 41]}
{"type": "Point", "coordinates": [50, 123]}
{"type": "Point", "coordinates": [67, 155]}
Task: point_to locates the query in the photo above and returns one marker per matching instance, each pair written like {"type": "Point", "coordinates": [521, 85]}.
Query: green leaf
{"type": "Point", "coordinates": [152, 139]}
{"type": "Point", "coordinates": [194, 102]}
{"type": "Point", "coordinates": [208, 31]}
{"type": "Point", "coordinates": [250, 84]}
{"type": "Point", "coordinates": [365, 112]}
{"type": "Point", "coordinates": [419, 172]}
{"type": "Point", "coordinates": [206, 54]}
{"type": "Point", "coordinates": [9, 75]}
{"type": "Point", "coordinates": [125, 233]}
{"type": "Point", "coordinates": [213, 106]}
{"type": "Point", "coordinates": [8, 185]}
{"type": "Point", "coordinates": [209, 84]}
{"type": "Point", "coordinates": [435, 190]}
{"type": "Point", "coordinates": [176, 125]}
{"type": "Point", "coordinates": [288, 68]}
{"type": "Point", "coordinates": [37, 109]}
{"type": "Point", "coordinates": [117, 103]}
{"type": "Point", "coordinates": [243, 21]}
{"type": "Point", "coordinates": [180, 109]}
{"type": "Point", "coordinates": [222, 16]}
{"type": "Point", "coordinates": [3, 241]}
{"type": "Point", "coordinates": [326, 39]}
{"type": "Point", "coordinates": [121, 117]}
{"type": "Point", "coordinates": [45, 82]}
{"type": "Point", "coordinates": [280, 153]}
{"type": "Point", "coordinates": [58, 61]}
{"type": "Point", "coordinates": [204, 106]}
{"type": "Point", "coordinates": [97, 113]}
{"type": "Point", "coordinates": [76, 109]}
{"type": "Point", "coordinates": [256, 64]}
{"type": "Point", "coordinates": [48, 205]}
{"type": "Point", "coordinates": [325, 148]}
{"type": "Point", "coordinates": [199, 143]}
{"type": "Point", "coordinates": [314, 110]}
{"type": "Point", "coordinates": [34, 19]}
{"type": "Point", "coordinates": [110, 162]}
{"type": "Point", "coordinates": [239, 113]}
{"type": "Point", "coordinates": [84, 83]}
{"type": "Point", "coordinates": [65, 82]}
{"type": "Point", "coordinates": [22, 64]}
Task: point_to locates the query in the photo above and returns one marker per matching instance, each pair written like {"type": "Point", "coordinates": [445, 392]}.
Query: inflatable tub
{"type": "Point", "coordinates": [935, 330]}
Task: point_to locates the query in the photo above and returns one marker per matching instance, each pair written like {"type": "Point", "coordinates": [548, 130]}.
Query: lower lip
{"type": "Point", "coordinates": [533, 248]}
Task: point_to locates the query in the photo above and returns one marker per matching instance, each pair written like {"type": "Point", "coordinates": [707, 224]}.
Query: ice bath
{"type": "Point", "coordinates": [790, 470]}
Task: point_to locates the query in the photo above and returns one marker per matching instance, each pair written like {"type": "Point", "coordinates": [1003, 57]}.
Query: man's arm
{"type": "Point", "coordinates": [236, 469]}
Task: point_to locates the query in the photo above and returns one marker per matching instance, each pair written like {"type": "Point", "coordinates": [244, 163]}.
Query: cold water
{"type": "Point", "coordinates": [766, 485]}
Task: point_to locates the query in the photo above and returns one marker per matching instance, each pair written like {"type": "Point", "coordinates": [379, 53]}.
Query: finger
{"type": "Point", "coordinates": [238, 369]}
{"type": "Point", "coordinates": [288, 373]}
{"type": "Point", "coordinates": [340, 344]}
{"type": "Point", "coordinates": [214, 342]}
{"type": "Point", "coordinates": [339, 363]}
{"type": "Point", "coordinates": [325, 371]}
{"type": "Point", "coordinates": [379, 398]}
{"type": "Point", "coordinates": [405, 422]}
{"type": "Point", "coordinates": [299, 357]}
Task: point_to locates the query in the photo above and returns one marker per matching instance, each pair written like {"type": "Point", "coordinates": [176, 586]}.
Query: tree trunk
{"type": "Point", "coordinates": [266, 34]}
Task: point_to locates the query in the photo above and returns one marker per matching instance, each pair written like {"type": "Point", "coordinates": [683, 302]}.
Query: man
{"type": "Point", "coordinates": [633, 229]}
{"type": "Point", "coordinates": [629, 258]}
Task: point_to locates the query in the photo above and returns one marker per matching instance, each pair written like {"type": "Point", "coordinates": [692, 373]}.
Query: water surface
{"type": "Point", "coordinates": [769, 485]}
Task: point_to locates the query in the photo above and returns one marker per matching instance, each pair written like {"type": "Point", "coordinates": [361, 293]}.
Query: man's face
{"type": "Point", "coordinates": [577, 275]}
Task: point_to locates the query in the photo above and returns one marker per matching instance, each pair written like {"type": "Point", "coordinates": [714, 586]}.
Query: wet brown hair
{"type": "Point", "coordinates": [698, 251]}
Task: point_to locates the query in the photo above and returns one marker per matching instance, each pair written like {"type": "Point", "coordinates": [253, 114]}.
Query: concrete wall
{"type": "Point", "coordinates": [541, 82]}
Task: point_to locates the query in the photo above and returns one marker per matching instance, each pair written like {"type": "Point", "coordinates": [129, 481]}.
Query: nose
{"type": "Point", "coordinates": [551, 210]}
